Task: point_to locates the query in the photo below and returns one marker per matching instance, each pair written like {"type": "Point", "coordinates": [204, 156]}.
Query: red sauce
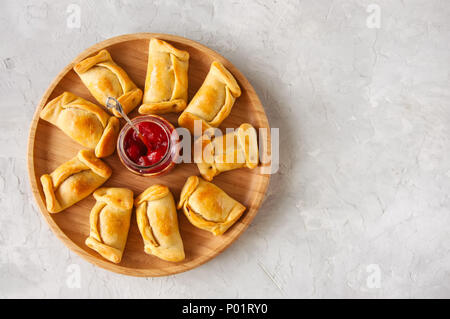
{"type": "Point", "coordinates": [155, 146]}
{"type": "Point", "coordinates": [152, 152]}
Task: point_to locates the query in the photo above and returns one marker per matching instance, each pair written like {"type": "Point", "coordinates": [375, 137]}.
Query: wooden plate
{"type": "Point", "coordinates": [48, 147]}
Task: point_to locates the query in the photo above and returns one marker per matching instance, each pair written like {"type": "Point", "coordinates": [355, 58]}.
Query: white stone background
{"type": "Point", "coordinates": [364, 118]}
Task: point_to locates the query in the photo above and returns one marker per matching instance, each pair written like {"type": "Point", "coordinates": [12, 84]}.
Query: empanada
{"type": "Point", "coordinates": [213, 101]}
{"type": "Point", "coordinates": [158, 223]}
{"type": "Point", "coordinates": [110, 221]}
{"type": "Point", "coordinates": [74, 180]}
{"type": "Point", "coordinates": [208, 207]}
{"type": "Point", "coordinates": [104, 78]}
{"type": "Point", "coordinates": [166, 83]}
{"type": "Point", "coordinates": [226, 152]}
{"type": "Point", "coordinates": [83, 121]}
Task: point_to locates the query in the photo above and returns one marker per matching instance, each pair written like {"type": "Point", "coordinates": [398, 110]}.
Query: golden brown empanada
{"type": "Point", "coordinates": [166, 83]}
{"type": "Point", "coordinates": [213, 101]}
{"type": "Point", "coordinates": [104, 78]}
{"type": "Point", "coordinates": [74, 180]}
{"type": "Point", "coordinates": [226, 152]}
{"type": "Point", "coordinates": [83, 121]}
{"type": "Point", "coordinates": [110, 221]}
{"type": "Point", "coordinates": [208, 207]}
{"type": "Point", "coordinates": [158, 223]}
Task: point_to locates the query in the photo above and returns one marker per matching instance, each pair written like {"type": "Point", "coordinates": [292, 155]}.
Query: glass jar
{"type": "Point", "coordinates": [167, 161]}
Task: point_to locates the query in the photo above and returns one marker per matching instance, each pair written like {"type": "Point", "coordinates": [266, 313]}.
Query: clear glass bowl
{"type": "Point", "coordinates": [166, 163]}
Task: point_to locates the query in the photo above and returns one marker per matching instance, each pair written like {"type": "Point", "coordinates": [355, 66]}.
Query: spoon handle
{"type": "Point", "coordinates": [114, 104]}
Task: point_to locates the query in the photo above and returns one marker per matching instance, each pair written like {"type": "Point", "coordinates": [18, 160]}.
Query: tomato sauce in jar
{"type": "Point", "coordinates": [153, 151]}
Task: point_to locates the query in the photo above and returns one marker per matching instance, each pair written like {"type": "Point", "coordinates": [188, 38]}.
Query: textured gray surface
{"type": "Point", "coordinates": [360, 206]}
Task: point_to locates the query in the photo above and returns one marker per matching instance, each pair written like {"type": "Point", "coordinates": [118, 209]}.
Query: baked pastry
{"type": "Point", "coordinates": [110, 221]}
{"type": "Point", "coordinates": [208, 207]}
{"type": "Point", "coordinates": [213, 101]}
{"type": "Point", "coordinates": [158, 223]}
{"type": "Point", "coordinates": [104, 78]}
{"type": "Point", "coordinates": [226, 152]}
{"type": "Point", "coordinates": [74, 180]}
{"type": "Point", "coordinates": [166, 83]}
{"type": "Point", "coordinates": [83, 121]}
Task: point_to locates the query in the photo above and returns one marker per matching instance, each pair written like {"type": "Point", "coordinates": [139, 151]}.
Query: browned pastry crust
{"type": "Point", "coordinates": [110, 221]}
{"type": "Point", "coordinates": [208, 207]}
{"type": "Point", "coordinates": [74, 180]}
{"type": "Point", "coordinates": [158, 223]}
{"type": "Point", "coordinates": [83, 121]}
{"type": "Point", "coordinates": [166, 83]}
{"type": "Point", "coordinates": [227, 152]}
{"type": "Point", "coordinates": [104, 78]}
{"type": "Point", "coordinates": [213, 101]}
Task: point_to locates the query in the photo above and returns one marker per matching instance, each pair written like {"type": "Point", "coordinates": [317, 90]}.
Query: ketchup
{"type": "Point", "coordinates": [151, 152]}
{"type": "Point", "coordinates": [150, 148]}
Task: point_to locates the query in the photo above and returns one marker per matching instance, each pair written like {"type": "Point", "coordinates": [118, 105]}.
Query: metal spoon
{"type": "Point", "coordinates": [114, 104]}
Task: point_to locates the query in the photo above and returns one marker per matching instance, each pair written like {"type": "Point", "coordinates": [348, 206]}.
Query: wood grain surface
{"type": "Point", "coordinates": [48, 147]}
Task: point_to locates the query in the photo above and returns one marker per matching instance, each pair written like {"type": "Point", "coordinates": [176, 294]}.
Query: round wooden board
{"type": "Point", "coordinates": [48, 147]}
